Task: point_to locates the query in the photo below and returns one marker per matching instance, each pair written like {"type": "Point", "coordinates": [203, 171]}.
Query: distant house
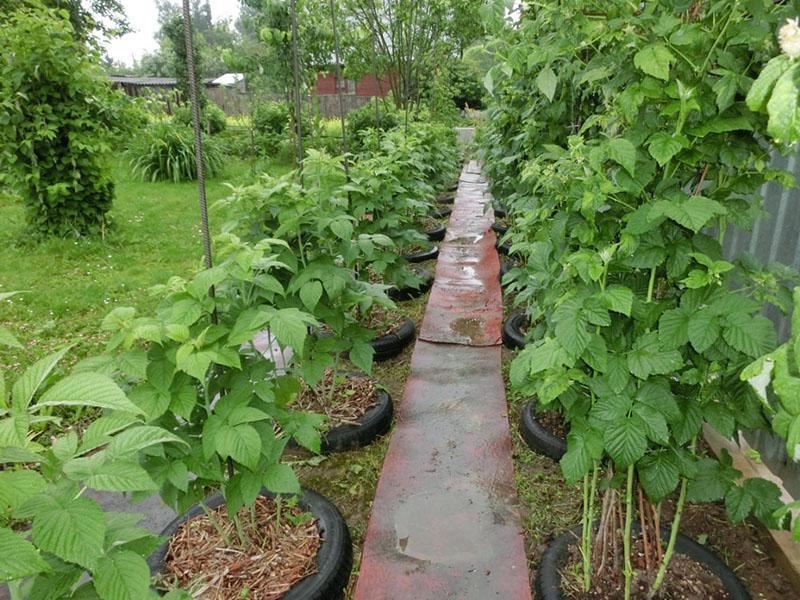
{"type": "Point", "coordinates": [368, 86]}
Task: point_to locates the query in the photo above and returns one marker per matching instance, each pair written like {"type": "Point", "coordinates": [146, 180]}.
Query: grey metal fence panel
{"type": "Point", "coordinates": [774, 238]}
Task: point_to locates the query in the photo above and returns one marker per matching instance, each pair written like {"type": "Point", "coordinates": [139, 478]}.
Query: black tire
{"type": "Point", "coordinates": [453, 187]}
{"type": "Point", "coordinates": [504, 248]}
{"type": "Point", "coordinates": [424, 256]}
{"type": "Point", "coordinates": [446, 198]}
{"type": "Point", "coordinates": [513, 338]}
{"type": "Point", "coordinates": [442, 213]}
{"type": "Point", "coordinates": [548, 576]}
{"type": "Point", "coordinates": [499, 229]}
{"type": "Point", "coordinates": [538, 438]}
{"type": "Point", "coordinates": [437, 233]}
{"type": "Point", "coordinates": [389, 346]}
{"type": "Point", "coordinates": [408, 292]}
{"type": "Point", "coordinates": [505, 268]}
{"type": "Point", "coordinates": [500, 212]}
{"type": "Point", "coordinates": [334, 558]}
{"type": "Point", "coordinates": [375, 422]}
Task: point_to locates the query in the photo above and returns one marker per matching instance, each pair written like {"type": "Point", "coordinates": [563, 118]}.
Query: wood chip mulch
{"type": "Point", "coordinates": [383, 321]}
{"type": "Point", "coordinates": [352, 398]}
{"type": "Point", "coordinates": [276, 557]}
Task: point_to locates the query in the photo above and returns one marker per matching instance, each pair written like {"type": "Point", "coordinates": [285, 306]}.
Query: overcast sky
{"type": "Point", "coordinates": [142, 16]}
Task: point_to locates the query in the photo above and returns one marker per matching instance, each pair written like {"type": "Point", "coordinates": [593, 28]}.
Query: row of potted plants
{"type": "Point", "coordinates": [622, 146]}
{"type": "Point", "coordinates": [200, 400]}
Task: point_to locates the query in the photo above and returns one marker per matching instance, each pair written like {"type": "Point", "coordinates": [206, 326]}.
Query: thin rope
{"type": "Point", "coordinates": [296, 73]}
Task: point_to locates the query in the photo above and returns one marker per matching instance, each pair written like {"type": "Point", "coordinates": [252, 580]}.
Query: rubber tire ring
{"type": "Point", "coordinates": [334, 558]}
{"type": "Point", "coordinates": [442, 213]}
{"type": "Point", "coordinates": [436, 234]}
{"type": "Point", "coordinates": [500, 212]}
{"type": "Point", "coordinates": [446, 198]}
{"type": "Point", "coordinates": [374, 423]}
{"type": "Point", "coordinates": [512, 335]}
{"type": "Point", "coordinates": [505, 268]}
{"type": "Point", "coordinates": [389, 346]}
{"type": "Point", "coordinates": [499, 229]}
{"type": "Point", "coordinates": [504, 248]}
{"type": "Point", "coordinates": [548, 578]}
{"type": "Point", "coordinates": [421, 257]}
{"type": "Point", "coordinates": [408, 292]}
{"type": "Point", "coordinates": [453, 187]}
{"type": "Point", "coordinates": [539, 439]}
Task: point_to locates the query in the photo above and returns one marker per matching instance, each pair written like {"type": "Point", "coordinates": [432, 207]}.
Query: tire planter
{"type": "Point", "coordinates": [389, 346]}
{"type": "Point", "coordinates": [437, 233]}
{"type": "Point", "coordinates": [424, 256]}
{"type": "Point", "coordinates": [499, 229]}
{"type": "Point", "coordinates": [446, 198]}
{"type": "Point", "coordinates": [513, 338]}
{"type": "Point", "coordinates": [504, 248]}
{"type": "Point", "coordinates": [408, 292]}
{"type": "Point", "coordinates": [375, 422]}
{"type": "Point", "coordinates": [548, 578]}
{"type": "Point", "coordinates": [500, 212]}
{"type": "Point", "coordinates": [441, 213]}
{"type": "Point", "coordinates": [505, 268]}
{"type": "Point", "coordinates": [453, 187]}
{"type": "Point", "coordinates": [538, 438]}
{"type": "Point", "coordinates": [334, 558]}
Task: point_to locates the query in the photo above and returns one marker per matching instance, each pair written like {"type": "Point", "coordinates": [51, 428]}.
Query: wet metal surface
{"type": "Point", "coordinates": [466, 289]}
{"type": "Point", "coordinates": [444, 523]}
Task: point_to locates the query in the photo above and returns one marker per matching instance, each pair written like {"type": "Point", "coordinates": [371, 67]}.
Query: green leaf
{"type": "Point", "coordinates": [17, 487]}
{"type": "Point", "coordinates": [703, 330]}
{"type": "Point", "coordinates": [584, 447]}
{"type": "Point", "coordinates": [121, 477]}
{"type": "Point", "coordinates": [655, 424]}
{"type": "Point", "coordinates": [123, 575]}
{"type": "Point", "coordinates": [88, 389]}
{"type": "Point", "coordinates": [622, 152]}
{"type": "Point", "coordinates": [596, 353]}
{"type": "Point", "coordinates": [659, 474]}
{"type": "Point", "coordinates": [26, 386]}
{"type": "Point", "coordinates": [290, 327]}
{"type": "Point", "coordinates": [571, 326]}
{"type": "Point", "coordinates": [361, 355]}
{"type": "Point", "coordinates": [663, 147]}
{"type": "Point", "coordinates": [241, 443]}
{"type": "Point", "coordinates": [654, 60]}
{"type": "Point", "coordinates": [755, 495]}
{"type": "Point", "coordinates": [310, 294]}
{"type": "Point", "coordinates": [646, 358]}
{"type": "Point", "coordinates": [137, 439]}
{"type": "Point", "coordinates": [753, 336]}
{"type": "Point", "coordinates": [711, 481]}
{"type": "Point", "coordinates": [625, 440]}
{"type": "Point", "coordinates": [546, 81]}
{"type": "Point", "coordinates": [673, 328]}
{"type": "Point", "coordinates": [18, 557]}
{"type": "Point", "coordinates": [281, 479]}
{"type": "Point", "coordinates": [784, 123]}
{"type": "Point", "coordinates": [762, 87]}
{"type": "Point", "coordinates": [692, 212]}
{"type": "Point", "coordinates": [194, 363]}
{"type": "Point", "coordinates": [71, 528]}
{"type": "Point", "coordinates": [618, 298]}
{"type": "Point", "coordinates": [248, 323]}
{"type": "Point", "coordinates": [342, 228]}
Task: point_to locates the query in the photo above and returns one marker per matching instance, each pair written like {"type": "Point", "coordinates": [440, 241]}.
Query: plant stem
{"type": "Point", "coordinates": [626, 541]}
{"type": "Point", "coordinates": [651, 285]}
{"type": "Point", "coordinates": [216, 524]}
{"type": "Point", "coordinates": [673, 536]}
{"type": "Point", "coordinates": [588, 504]}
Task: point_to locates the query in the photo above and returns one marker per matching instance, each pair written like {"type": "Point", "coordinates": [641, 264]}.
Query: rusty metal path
{"type": "Point", "coordinates": [444, 522]}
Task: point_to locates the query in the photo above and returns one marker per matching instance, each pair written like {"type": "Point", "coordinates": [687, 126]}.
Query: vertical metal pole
{"type": "Point", "coordinates": [296, 70]}
{"type": "Point", "coordinates": [198, 140]}
{"type": "Point", "coordinates": [336, 54]}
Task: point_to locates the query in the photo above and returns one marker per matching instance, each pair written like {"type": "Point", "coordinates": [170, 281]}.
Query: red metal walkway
{"type": "Point", "coordinates": [444, 522]}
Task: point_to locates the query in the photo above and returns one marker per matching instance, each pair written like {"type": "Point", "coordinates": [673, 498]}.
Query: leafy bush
{"type": "Point", "coordinates": [212, 118]}
{"type": "Point", "coordinates": [57, 113]}
{"type": "Point", "coordinates": [165, 152]}
{"type": "Point", "coordinates": [272, 122]}
{"type": "Point", "coordinates": [363, 119]}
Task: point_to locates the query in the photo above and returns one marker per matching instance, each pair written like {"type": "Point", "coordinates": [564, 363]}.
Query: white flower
{"type": "Point", "coordinates": [789, 37]}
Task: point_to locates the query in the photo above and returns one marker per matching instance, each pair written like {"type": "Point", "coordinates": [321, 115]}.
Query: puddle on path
{"type": "Point", "coordinates": [471, 327]}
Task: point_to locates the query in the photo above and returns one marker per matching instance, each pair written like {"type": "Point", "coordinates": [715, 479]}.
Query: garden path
{"type": "Point", "coordinates": [444, 523]}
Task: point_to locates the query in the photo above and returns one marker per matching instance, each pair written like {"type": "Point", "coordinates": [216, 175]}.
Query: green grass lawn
{"type": "Point", "coordinates": [71, 284]}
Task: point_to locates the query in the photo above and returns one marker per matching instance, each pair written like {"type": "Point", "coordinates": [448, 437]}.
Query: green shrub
{"type": "Point", "coordinates": [272, 122]}
{"type": "Point", "coordinates": [212, 119]}
{"type": "Point", "coordinates": [364, 119]}
{"type": "Point", "coordinates": [165, 152]}
{"type": "Point", "coordinates": [57, 115]}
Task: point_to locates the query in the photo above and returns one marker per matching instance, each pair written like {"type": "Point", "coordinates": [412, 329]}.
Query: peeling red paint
{"type": "Point", "coordinates": [444, 522]}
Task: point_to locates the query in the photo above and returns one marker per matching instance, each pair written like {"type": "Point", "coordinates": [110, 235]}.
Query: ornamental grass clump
{"type": "Point", "coordinates": [628, 167]}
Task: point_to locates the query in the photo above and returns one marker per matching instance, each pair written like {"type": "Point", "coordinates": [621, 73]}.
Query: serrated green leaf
{"type": "Point", "coordinates": [571, 325]}
{"type": "Point", "coordinates": [703, 330]}
{"type": "Point", "coordinates": [762, 87]}
{"type": "Point", "coordinates": [646, 358]}
{"type": "Point", "coordinates": [618, 298]}
{"type": "Point", "coordinates": [17, 487]}
{"type": "Point", "coordinates": [625, 440]}
{"type": "Point", "coordinates": [622, 152]}
{"type": "Point", "coordinates": [136, 439]}
{"type": "Point", "coordinates": [241, 443]}
{"type": "Point", "coordinates": [247, 325]}
{"type": "Point", "coordinates": [546, 81]}
{"type": "Point", "coordinates": [692, 212]}
{"type": "Point", "coordinates": [71, 528]}
{"type": "Point", "coordinates": [281, 479]}
{"type": "Point", "coordinates": [663, 146]}
{"type": "Point", "coordinates": [88, 389]}
{"type": "Point", "coordinates": [711, 482]}
{"type": "Point", "coordinates": [584, 447]}
{"type": "Point", "coordinates": [290, 327]}
{"type": "Point", "coordinates": [673, 328]}
{"type": "Point", "coordinates": [361, 355]}
{"type": "Point", "coordinates": [654, 60]}
{"type": "Point", "coordinates": [784, 124]}
{"type": "Point", "coordinates": [655, 423]}
{"type": "Point", "coordinates": [659, 474]}
{"type": "Point", "coordinates": [121, 477]}
{"type": "Point", "coordinates": [596, 353]}
{"type": "Point", "coordinates": [310, 294]}
{"type": "Point", "coordinates": [18, 557]}
{"type": "Point", "coordinates": [26, 386]}
{"type": "Point", "coordinates": [122, 575]}
{"type": "Point", "coordinates": [753, 336]}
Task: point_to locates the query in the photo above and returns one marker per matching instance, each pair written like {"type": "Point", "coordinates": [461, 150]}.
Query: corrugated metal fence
{"type": "Point", "coordinates": [775, 238]}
